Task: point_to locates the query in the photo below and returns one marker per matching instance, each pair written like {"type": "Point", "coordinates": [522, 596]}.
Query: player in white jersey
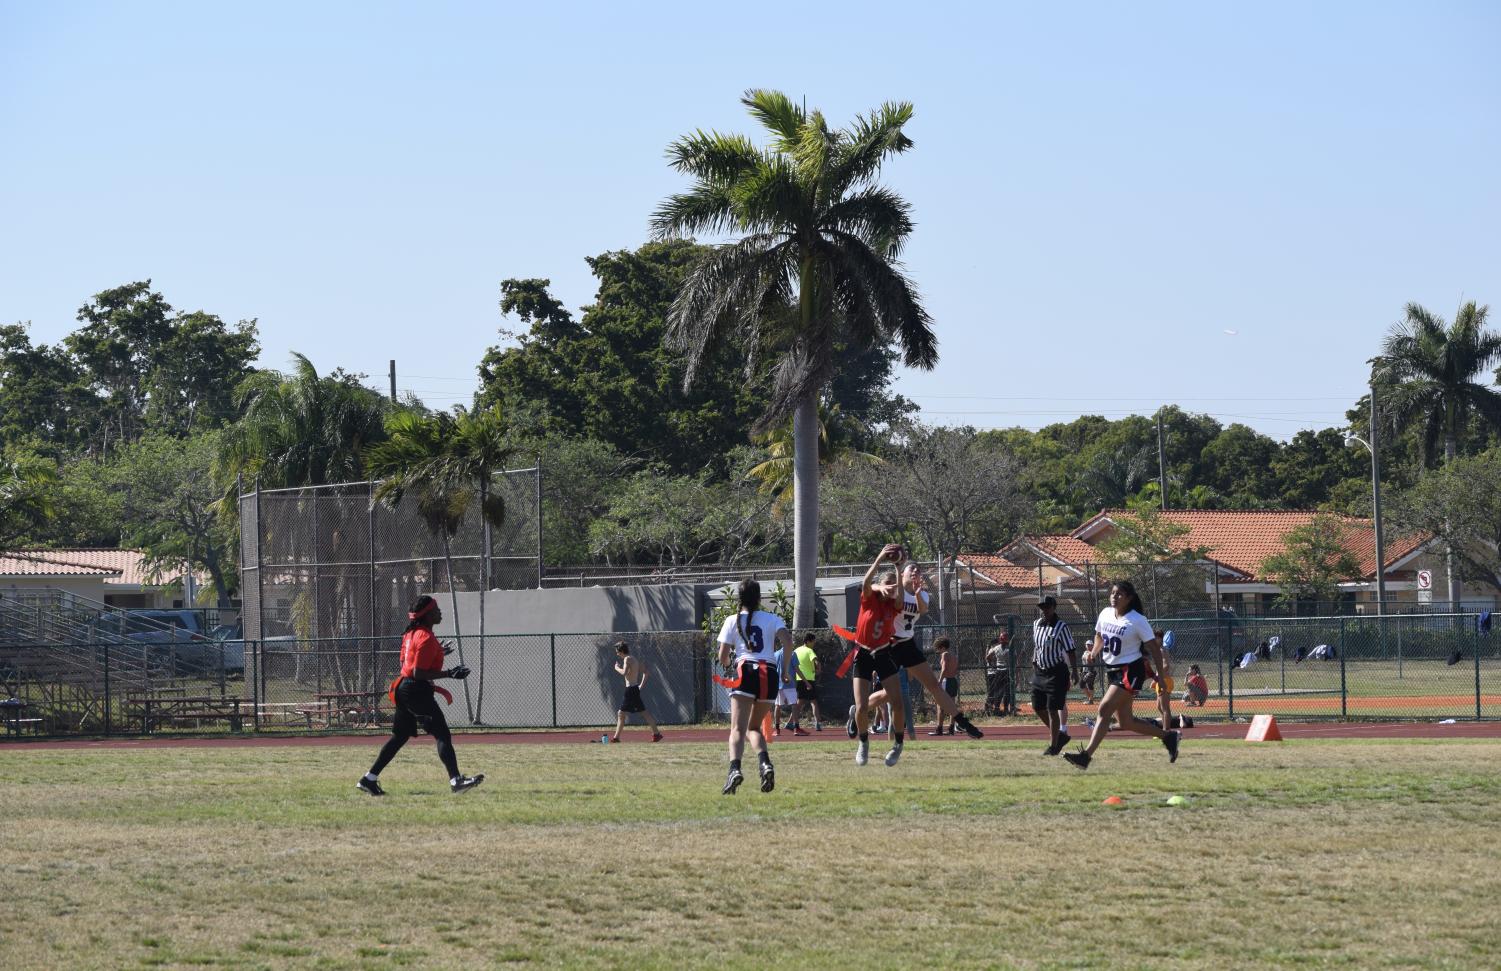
{"type": "Point", "coordinates": [1121, 635]}
{"type": "Point", "coordinates": [755, 651]}
{"type": "Point", "coordinates": [907, 654]}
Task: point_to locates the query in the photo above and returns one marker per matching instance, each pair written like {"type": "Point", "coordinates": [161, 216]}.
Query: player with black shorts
{"type": "Point", "coordinates": [413, 693]}
{"type": "Point", "coordinates": [635, 674]}
{"type": "Point", "coordinates": [906, 653]}
{"type": "Point", "coordinates": [880, 604]}
{"type": "Point", "coordinates": [755, 651]}
{"type": "Point", "coordinates": [1055, 666]}
{"type": "Point", "coordinates": [1121, 635]}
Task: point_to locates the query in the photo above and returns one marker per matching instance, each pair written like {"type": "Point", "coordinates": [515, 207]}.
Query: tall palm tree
{"type": "Point", "coordinates": [816, 267]}
{"type": "Point", "coordinates": [27, 485]}
{"type": "Point", "coordinates": [1425, 375]}
{"type": "Point", "coordinates": [445, 463]}
{"type": "Point", "coordinates": [837, 436]}
{"type": "Point", "coordinates": [301, 428]}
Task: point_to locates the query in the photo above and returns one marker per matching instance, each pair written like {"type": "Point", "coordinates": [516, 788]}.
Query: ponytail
{"type": "Point", "coordinates": [750, 602]}
{"type": "Point", "coordinates": [419, 613]}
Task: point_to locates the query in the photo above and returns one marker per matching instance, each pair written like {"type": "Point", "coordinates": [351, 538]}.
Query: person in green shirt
{"type": "Point", "coordinates": [807, 686]}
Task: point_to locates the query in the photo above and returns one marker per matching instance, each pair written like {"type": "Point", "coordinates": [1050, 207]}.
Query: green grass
{"type": "Point", "coordinates": [1325, 854]}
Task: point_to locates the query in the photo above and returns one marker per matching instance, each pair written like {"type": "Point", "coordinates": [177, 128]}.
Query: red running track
{"type": "Point", "coordinates": [1005, 733]}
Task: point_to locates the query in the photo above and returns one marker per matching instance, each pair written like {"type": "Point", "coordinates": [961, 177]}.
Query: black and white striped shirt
{"type": "Point", "coordinates": [1051, 643]}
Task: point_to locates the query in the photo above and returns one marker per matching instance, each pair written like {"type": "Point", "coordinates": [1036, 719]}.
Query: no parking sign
{"type": "Point", "coordinates": [1425, 586]}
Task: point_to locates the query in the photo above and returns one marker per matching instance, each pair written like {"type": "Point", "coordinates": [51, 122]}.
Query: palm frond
{"type": "Point", "coordinates": [705, 209]}
{"type": "Point", "coordinates": [878, 216]}
{"type": "Point", "coordinates": [870, 140]}
{"type": "Point", "coordinates": [778, 113]}
{"type": "Point", "coordinates": [879, 300]}
{"type": "Point", "coordinates": [714, 157]}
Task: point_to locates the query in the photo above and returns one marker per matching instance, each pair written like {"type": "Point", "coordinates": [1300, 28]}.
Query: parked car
{"type": "Point", "coordinates": [194, 651]}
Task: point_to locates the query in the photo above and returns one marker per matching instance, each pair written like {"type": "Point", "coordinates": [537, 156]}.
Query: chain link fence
{"type": "Point", "coordinates": [1395, 667]}
{"type": "Point", "coordinates": [325, 562]}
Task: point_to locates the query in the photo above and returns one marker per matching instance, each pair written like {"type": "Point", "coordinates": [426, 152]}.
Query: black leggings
{"type": "Point", "coordinates": [416, 705]}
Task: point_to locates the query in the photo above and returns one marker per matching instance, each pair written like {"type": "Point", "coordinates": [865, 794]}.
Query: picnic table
{"type": "Point", "coordinates": [353, 709]}
{"type": "Point", "coordinates": [176, 705]}
{"type": "Point", "coordinates": [13, 713]}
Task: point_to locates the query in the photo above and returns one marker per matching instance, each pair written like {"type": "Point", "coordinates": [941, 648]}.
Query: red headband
{"type": "Point", "coordinates": [414, 614]}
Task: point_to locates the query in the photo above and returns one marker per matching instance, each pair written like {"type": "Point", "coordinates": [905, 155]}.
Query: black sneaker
{"type": "Point", "coordinates": [849, 726]}
{"type": "Point", "coordinates": [1063, 741]}
{"type": "Point", "coordinates": [369, 785]}
{"type": "Point", "coordinates": [1170, 742]}
{"type": "Point", "coordinates": [1079, 760]}
{"type": "Point", "coordinates": [466, 782]}
{"type": "Point", "coordinates": [733, 781]}
{"type": "Point", "coordinates": [968, 726]}
{"type": "Point", "coordinates": [768, 777]}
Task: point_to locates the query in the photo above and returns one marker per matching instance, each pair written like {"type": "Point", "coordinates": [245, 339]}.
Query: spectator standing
{"type": "Point", "coordinates": [948, 677]}
{"type": "Point", "coordinates": [634, 673]}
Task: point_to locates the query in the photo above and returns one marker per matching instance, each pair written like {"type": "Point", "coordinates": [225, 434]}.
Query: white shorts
{"type": "Point", "coordinates": [788, 694]}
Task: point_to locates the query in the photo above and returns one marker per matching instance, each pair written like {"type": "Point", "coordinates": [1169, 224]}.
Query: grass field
{"type": "Point", "coordinates": [1354, 854]}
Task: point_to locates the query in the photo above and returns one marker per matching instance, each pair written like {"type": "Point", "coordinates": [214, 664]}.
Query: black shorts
{"type": "Point", "coordinates": [417, 705]}
{"type": "Point", "coordinates": [632, 702]}
{"type": "Point", "coordinates": [1050, 688]}
{"type": "Point", "coordinates": [758, 681]}
{"type": "Point", "coordinates": [951, 687]}
{"type": "Point", "coordinates": [807, 690]}
{"type": "Point", "coordinates": [1130, 676]}
{"type": "Point", "coordinates": [906, 653]}
{"type": "Point", "coordinates": [874, 666]}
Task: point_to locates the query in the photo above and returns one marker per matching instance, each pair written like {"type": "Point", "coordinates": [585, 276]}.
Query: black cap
{"type": "Point", "coordinates": [1048, 601]}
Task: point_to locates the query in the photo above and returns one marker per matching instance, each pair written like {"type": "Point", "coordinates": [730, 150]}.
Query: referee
{"type": "Point", "coordinates": [1055, 666]}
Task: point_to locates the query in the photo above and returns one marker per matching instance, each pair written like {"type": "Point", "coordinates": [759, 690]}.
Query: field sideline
{"type": "Point", "coordinates": [1344, 853]}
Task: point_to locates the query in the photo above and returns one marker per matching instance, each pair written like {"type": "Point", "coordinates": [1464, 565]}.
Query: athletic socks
{"type": "Point", "coordinates": [865, 736]}
{"type": "Point", "coordinates": [372, 776]}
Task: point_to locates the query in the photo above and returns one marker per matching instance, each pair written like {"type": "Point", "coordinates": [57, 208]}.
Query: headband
{"type": "Point", "coordinates": [414, 614]}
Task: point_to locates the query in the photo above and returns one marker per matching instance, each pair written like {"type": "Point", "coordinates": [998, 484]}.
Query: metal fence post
{"type": "Point", "coordinates": [1344, 692]}
{"type": "Point", "coordinates": [552, 650]}
{"type": "Point", "coordinates": [1478, 709]}
{"type": "Point", "coordinates": [108, 701]}
{"type": "Point", "coordinates": [1230, 707]}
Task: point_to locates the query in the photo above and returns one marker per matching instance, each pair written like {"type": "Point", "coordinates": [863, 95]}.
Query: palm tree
{"type": "Point", "coordinates": [301, 428]}
{"type": "Point", "coordinates": [837, 437]}
{"type": "Point", "coordinates": [27, 484]}
{"type": "Point", "coordinates": [445, 463]}
{"type": "Point", "coordinates": [815, 269]}
{"type": "Point", "coordinates": [1426, 375]}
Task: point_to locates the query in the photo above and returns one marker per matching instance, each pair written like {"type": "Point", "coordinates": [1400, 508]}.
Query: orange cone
{"type": "Point", "coordinates": [1264, 729]}
{"type": "Point", "coordinates": [1114, 801]}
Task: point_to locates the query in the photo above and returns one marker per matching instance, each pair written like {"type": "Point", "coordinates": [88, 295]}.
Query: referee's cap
{"type": "Point", "coordinates": [1048, 601]}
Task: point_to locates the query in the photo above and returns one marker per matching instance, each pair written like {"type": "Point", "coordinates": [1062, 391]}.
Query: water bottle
{"type": "Point", "coordinates": [604, 739]}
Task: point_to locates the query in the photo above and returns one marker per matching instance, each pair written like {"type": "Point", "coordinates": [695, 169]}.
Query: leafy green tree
{"type": "Point", "coordinates": [815, 269]}
{"type": "Point", "coordinates": [44, 402]}
{"type": "Point", "coordinates": [152, 368]}
{"type": "Point", "coordinates": [301, 428]}
{"type": "Point", "coordinates": [1314, 560]}
{"type": "Point", "coordinates": [1461, 505]}
{"type": "Point", "coordinates": [167, 491]}
{"type": "Point", "coordinates": [1152, 551]}
{"type": "Point", "coordinates": [837, 442]}
{"type": "Point", "coordinates": [1238, 465]}
{"type": "Point", "coordinates": [1426, 376]}
{"type": "Point", "coordinates": [608, 377]}
{"type": "Point", "coordinates": [27, 484]}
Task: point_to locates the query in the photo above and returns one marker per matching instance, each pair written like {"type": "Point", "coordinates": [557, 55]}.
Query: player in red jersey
{"type": "Point", "coordinates": [880, 605]}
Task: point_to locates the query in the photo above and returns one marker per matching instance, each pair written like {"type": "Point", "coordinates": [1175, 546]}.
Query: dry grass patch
{"type": "Point", "coordinates": [1355, 854]}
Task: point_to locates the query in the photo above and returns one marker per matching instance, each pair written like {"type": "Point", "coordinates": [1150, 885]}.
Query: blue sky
{"type": "Point", "coordinates": [1101, 190]}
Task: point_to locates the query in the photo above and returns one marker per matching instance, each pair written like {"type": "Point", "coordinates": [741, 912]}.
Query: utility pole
{"type": "Point", "coordinates": [1376, 508]}
{"type": "Point", "coordinates": [1161, 461]}
{"type": "Point", "coordinates": [393, 382]}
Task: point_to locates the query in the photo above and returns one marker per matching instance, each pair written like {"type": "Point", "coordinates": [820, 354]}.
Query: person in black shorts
{"type": "Point", "coordinates": [634, 673]}
{"type": "Point", "coordinates": [1055, 666]}
{"type": "Point", "coordinates": [1123, 640]}
{"type": "Point", "coordinates": [907, 655]}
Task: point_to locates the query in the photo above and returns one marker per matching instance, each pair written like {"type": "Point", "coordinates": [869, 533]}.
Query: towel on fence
{"type": "Point", "coordinates": [1248, 660]}
{"type": "Point", "coordinates": [1167, 641]}
{"type": "Point", "coordinates": [1274, 642]}
{"type": "Point", "coordinates": [1322, 653]}
{"type": "Point", "coordinates": [1483, 622]}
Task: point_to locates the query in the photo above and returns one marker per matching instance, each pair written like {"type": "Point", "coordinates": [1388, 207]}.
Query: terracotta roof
{"type": "Point", "coordinates": [126, 567]}
{"type": "Point", "coordinates": [1064, 547]}
{"type": "Point", "coordinates": [1242, 539]}
{"type": "Point", "coordinates": [998, 572]}
{"type": "Point", "coordinates": [35, 564]}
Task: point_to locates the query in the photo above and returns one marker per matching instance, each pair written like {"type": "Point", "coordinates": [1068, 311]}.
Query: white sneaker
{"type": "Point", "coordinates": [894, 754]}
{"type": "Point", "coordinates": [862, 753]}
